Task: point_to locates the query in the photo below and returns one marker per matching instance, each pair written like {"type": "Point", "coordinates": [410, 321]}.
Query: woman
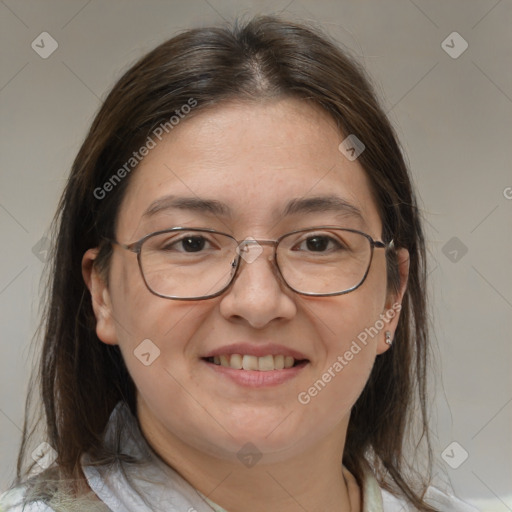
{"type": "Point", "coordinates": [237, 314]}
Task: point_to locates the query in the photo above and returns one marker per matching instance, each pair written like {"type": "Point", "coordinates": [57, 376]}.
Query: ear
{"type": "Point", "coordinates": [393, 306]}
{"type": "Point", "coordinates": [100, 297]}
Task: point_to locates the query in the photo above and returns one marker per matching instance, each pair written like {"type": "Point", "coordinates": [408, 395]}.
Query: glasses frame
{"type": "Point", "coordinates": [136, 247]}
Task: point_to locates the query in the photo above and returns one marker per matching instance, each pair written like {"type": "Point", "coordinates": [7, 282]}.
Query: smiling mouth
{"type": "Point", "coordinates": [254, 363]}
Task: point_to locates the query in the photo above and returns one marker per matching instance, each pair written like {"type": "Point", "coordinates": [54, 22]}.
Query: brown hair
{"type": "Point", "coordinates": [81, 379]}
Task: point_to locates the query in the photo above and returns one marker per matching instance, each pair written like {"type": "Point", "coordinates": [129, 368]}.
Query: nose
{"type": "Point", "coordinates": [258, 293]}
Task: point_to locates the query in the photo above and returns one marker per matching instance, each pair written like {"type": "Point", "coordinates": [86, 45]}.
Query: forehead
{"type": "Point", "coordinates": [250, 165]}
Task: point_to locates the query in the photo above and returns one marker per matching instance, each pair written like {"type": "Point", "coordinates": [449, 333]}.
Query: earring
{"type": "Point", "coordinates": [388, 338]}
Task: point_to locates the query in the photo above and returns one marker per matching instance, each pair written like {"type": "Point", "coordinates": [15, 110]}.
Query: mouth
{"type": "Point", "coordinates": [255, 365]}
{"type": "Point", "coordinates": [247, 362]}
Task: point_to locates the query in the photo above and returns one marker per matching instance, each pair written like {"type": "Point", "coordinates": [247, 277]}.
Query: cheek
{"type": "Point", "coordinates": [350, 327]}
{"type": "Point", "coordinates": [351, 341]}
{"type": "Point", "coordinates": [341, 373]}
{"type": "Point", "coordinates": [327, 398]}
{"type": "Point", "coordinates": [149, 329]}
{"type": "Point", "coordinates": [354, 317]}
{"type": "Point", "coordinates": [138, 313]}
{"type": "Point", "coordinates": [154, 332]}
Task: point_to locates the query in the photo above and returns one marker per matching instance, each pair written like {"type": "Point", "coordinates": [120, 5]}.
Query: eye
{"type": "Point", "coordinates": [187, 243]}
{"type": "Point", "coordinates": [320, 243]}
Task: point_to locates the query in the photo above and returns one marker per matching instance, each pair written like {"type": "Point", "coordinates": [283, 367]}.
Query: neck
{"type": "Point", "coordinates": [313, 480]}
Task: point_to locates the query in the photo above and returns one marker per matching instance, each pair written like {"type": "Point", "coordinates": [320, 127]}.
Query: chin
{"type": "Point", "coordinates": [273, 439]}
{"type": "Point", "coordinates": [252, 450]}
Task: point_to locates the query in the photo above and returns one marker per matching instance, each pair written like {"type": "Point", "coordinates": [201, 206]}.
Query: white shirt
{"type": "Point", "coordinates": [164, 490]}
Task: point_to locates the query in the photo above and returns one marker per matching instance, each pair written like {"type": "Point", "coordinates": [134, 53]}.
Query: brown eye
{"type": "Point", "coordinates": [189, 244]}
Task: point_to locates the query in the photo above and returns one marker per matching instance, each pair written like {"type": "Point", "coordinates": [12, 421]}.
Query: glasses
{"type": "Point", "coordinates": [196, 264]}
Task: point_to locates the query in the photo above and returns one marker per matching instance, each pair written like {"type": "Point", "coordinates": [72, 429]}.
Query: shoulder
{"type": "Point", "coordinates": [13, 500]}
{"type": "Point", "coordinates": [434, 497]}
{"type": "Point", "coordinates": [377, 498]}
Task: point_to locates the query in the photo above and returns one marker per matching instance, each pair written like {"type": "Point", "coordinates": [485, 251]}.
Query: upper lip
{"type": "Point", "coordinates": [259, 350]}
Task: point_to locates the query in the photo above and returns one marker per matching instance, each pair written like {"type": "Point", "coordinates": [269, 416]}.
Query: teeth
{"type": "Point", "coordinates": [288, 361]}
{"type": "Point", "coordinates": [250, 363]}
{"type": "Point", "coordinates": [246, 362]}
{"type": "Point", "coordinates": [235, 362]}
{"type": "Point", "coordinates": [266, 363]}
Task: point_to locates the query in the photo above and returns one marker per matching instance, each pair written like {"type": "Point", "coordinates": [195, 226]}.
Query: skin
{"type": "Point", "coordinates": [254, 157]}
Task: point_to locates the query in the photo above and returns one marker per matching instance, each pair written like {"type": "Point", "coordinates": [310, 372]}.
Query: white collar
{"type": "Point", "coordinates": [161, 488]}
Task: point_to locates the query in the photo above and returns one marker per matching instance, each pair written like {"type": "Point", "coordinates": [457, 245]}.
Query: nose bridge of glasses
{"type": "Point", "coordinates": [250, 249]}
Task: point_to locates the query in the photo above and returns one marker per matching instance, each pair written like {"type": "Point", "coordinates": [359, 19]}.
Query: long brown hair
{"type": "Point", "coordinates": [81, 379]}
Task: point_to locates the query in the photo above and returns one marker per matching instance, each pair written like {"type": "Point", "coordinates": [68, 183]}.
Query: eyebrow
{"type": "Point", "coordinates": [188, 203]}
{"type": "Point", "coordinates": [316, 204]}
{"type": "Point", "coordinates": [329, 203]}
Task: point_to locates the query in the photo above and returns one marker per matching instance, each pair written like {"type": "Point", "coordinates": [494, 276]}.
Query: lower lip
{"type": "Point", "coordinates": [255, 378]}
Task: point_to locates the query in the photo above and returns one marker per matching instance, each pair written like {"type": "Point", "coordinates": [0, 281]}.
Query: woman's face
{"type": "Point", "coordinates": [255, 159]}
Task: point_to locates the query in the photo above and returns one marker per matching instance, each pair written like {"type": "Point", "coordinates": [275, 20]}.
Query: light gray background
{"type": "Point", "coordinates": [453, 117]}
